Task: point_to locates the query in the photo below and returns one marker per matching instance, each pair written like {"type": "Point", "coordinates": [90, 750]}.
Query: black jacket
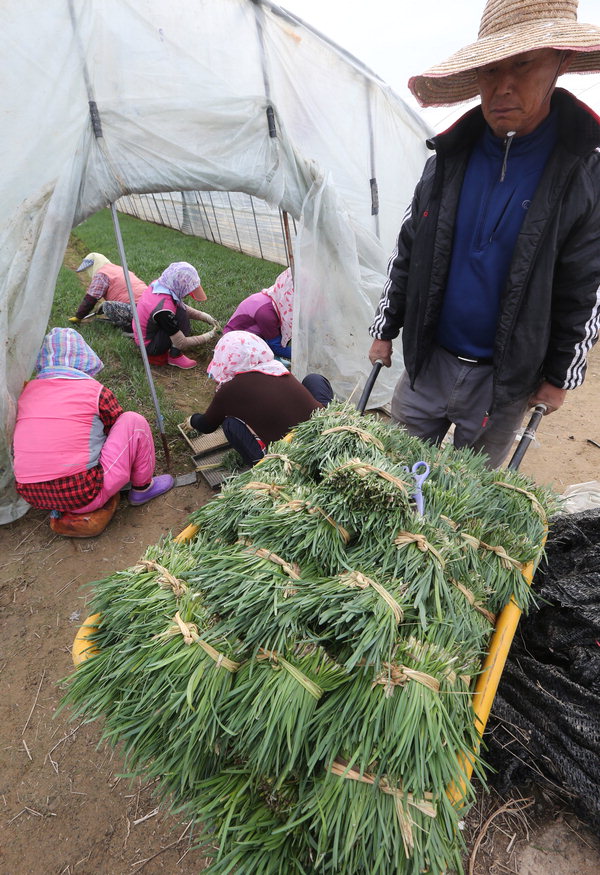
{"type": "Point", "coordinates": [550, 307]}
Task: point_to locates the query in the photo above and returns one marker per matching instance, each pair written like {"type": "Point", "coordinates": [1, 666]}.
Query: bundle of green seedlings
{"type": "Point", "coordinates": [156, 696]}
{"type": "Point", "coordinates": [298, 677]}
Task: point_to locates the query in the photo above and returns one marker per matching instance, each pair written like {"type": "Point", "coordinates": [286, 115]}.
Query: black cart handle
{"type": "Point", "coordinates": [377, 366]}
{"type": "Point", "coordinates": [536, 417]}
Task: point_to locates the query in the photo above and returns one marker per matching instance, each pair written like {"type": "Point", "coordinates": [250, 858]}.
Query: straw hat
{"type": "Point", "coordinates": [510, 27]}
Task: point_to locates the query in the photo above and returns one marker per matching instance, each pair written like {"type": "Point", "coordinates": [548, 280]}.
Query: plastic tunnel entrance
{"type": "Point", "coordinates": [222, 96]}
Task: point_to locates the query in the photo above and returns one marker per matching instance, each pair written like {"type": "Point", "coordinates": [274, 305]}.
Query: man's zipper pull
{"type": "Point", "coordinates": [507, 144]}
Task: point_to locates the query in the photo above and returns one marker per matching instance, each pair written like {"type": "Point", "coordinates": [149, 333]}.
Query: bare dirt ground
{"type": "Point", "coordinates": [64, 810]}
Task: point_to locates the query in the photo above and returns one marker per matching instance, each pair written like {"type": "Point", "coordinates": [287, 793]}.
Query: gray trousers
{"type": "Point", "coordinates": [118, 313]}
{"type": "Point", "coordinates": [449, 391]}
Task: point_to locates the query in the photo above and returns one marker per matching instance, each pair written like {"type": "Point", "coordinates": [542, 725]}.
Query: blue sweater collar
{"type": "Point", "coordinates": [543, 137]}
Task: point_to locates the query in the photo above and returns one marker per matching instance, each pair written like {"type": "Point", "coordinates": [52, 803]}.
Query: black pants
{"type": "Point", "coordinates": [161, 342]}
{"type": "Point", "coordinates": [243, 439]}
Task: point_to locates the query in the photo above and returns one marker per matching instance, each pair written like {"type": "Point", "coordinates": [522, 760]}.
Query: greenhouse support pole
{"type": "Point", "coordinates": [288, 241]}
{"type": "Point", "coordinates": [258, 14]}
{"type": "Point", "coordinates": [97, 129]}
{"type": "Point", "coordinates": [140, 334]}
{"type": "Point", "coordinates": [373, 180]}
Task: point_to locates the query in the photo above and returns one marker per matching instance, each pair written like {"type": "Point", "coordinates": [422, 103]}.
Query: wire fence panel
{"type": "Point", "coordinates": [233, 219]}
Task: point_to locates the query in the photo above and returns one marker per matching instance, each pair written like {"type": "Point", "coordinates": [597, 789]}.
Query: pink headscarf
{"type": "Point", "coordinates": [282, 295]}
{"type": "Point", "coordinates": [238, 352]}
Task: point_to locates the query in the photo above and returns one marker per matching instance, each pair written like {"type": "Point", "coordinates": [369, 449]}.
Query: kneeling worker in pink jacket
{"type": "Point", "coordinates": [74, 446]}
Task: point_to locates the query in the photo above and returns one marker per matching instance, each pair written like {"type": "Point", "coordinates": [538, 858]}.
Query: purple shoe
{"type": "Point", "coordinates": [158, 486]}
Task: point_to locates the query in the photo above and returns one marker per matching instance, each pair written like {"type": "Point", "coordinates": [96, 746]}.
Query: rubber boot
{"type": "Point", "coordinates": [181, 361]}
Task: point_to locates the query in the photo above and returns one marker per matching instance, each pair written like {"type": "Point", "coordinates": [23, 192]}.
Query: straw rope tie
{"type": "Point", "coordinates": [356, 579]}
{"type": "Point", "coordinates": [419, 650]}
{"type": "Point", "coordinates": [296, 505]}
{"type": "Point", "coordinates": [271, 489]}
{"type": "Point", "coordinates": [471, 541]}
{"type": "Point", "coordinates": [288, 463]}
{"type": "Point", "coordinates": [506, 561]}
{"type": "Point", "coordinates": [402, 800]}
{"type": "Point", "coordinates": [402, 539]}
{"type": "Point", "coordinates": [475, 603]}
{"type": "Point", "coordinates": [166, 579]}
{"type": "Point", "coordinates": [392, 676]}
{"type": "Point", "coordinates": [364, 468]}
{"type": "Point", "coordinates": [450, 522]}
{"type": "Point", "coordinates": [314, 689]}
{"type": "Point", "coordinates": [189, 632]}
{"type": "Point", "coordinates": [292, 571]}
{"type": "Point", "coordinates": [534, 501]}
{"type": "Point", "coordinates": [365, 436]}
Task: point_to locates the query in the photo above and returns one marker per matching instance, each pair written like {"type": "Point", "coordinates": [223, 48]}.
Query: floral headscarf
{"type": "Point", "coordinates": [238, 352]}
{"type": "Point", "coordinates": [282, 295]}
{"type": "Point", "coordinates": [65, 354]}
{"type": "Point", "coordinates": [178, 280]}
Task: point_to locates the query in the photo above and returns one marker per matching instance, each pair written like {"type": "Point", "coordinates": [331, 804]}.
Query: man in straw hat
{"type": "Point", "coordinates": [496, 275]}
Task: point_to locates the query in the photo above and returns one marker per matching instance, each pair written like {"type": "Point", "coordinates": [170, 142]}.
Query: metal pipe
{"type": "Point", "coordinates": [140, 333]}
{"type": "Point", "coordinates": [260, 249]}
{"type": "Point", "coordinates": [215, 217]}
{"type": "Point", "coordinates": [373, 178]}
{"type": "Point", "coordinates": [377, 365]}
{"type": "Point", "coordinates": [235, 227]}
{"type": "Point", "coordinates": [97, 129]}
{"type": "Point", "coordinates": [288, 242]}
{"type": "Point", "coordinates": [527, 436]}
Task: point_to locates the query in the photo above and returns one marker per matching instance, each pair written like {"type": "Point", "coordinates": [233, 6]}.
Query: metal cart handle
{"type": "Point", "coordinates": [527, 436]}
{"type": "Point", "coordinates": [369, 386]}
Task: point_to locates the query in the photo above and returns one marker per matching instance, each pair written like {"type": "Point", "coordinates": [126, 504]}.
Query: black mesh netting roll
{"type": "Point", "coordinates": [545, 722]}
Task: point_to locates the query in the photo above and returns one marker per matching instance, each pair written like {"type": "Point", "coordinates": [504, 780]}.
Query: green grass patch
{"type": "Point", "coordinates": [227, 277]}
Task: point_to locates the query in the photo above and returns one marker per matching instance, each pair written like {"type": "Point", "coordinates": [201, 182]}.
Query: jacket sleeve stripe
{"type": "Point", "coordinates": [576, 371]}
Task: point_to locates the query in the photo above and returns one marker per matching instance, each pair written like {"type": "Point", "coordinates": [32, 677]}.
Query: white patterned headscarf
{"type": "Point", "coordinates": [178, 280]}
{"type": "Point", "coordinates": [282, 295]}
{"type": "Point", "coordinates": [238, 352]}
